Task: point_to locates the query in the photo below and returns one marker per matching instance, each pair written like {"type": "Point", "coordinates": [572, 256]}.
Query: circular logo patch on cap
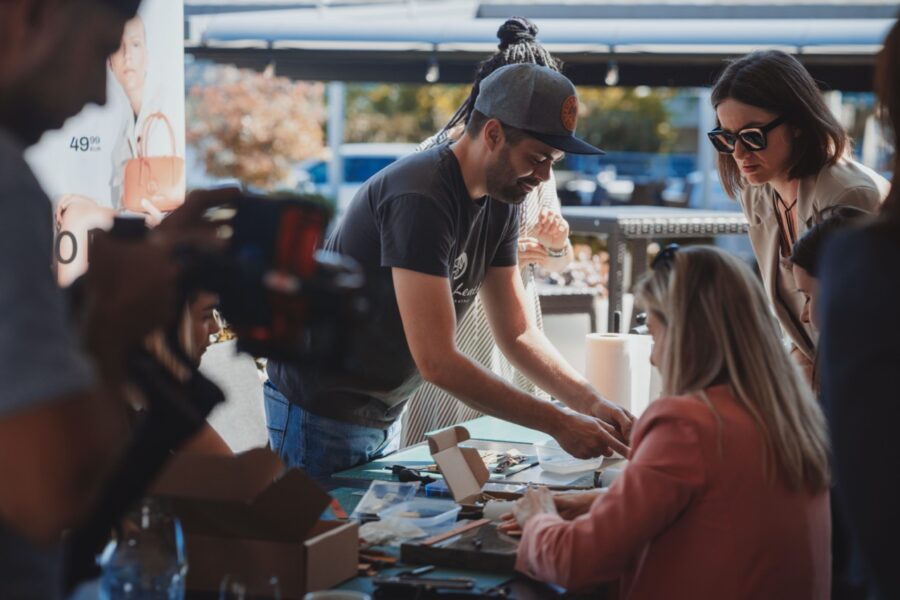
{"type": "Point", "coordinates": [569, 113]}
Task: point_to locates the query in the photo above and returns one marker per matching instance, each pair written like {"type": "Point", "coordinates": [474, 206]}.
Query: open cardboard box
{"type": "Point", "coordinates": [462, 468]}
{"type": "Point", "coordinates": [249, 517]}
{"type": "Point", "coordinates": [465, 473]}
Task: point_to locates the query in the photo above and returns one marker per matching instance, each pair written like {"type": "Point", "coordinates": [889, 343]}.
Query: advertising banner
{"type": "Point", "coordinates": [126, 157]}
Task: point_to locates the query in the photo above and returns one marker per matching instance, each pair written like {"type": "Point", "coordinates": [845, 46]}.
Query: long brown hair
{"type": "Point", "coordinates": [887, 87]}
{"type": "Point", "coordinates": [719, 329]}
{"type": "Point", "coordinates": [778, 83]}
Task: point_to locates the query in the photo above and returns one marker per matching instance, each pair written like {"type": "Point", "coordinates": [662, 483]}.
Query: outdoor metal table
{"type": "Point", "coordinates": [636, 225]}
{"type": "Point", "coordinates": [559, 300]}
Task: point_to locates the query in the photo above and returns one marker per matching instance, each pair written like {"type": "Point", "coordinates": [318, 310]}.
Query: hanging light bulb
{"type": "Point", "coordinates": [612, 74]}
{"type": "Point", "coordinates": [433, 74]}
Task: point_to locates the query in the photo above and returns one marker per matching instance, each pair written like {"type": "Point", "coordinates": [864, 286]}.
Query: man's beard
{"type": "Point", "coordinates": [502, 183]}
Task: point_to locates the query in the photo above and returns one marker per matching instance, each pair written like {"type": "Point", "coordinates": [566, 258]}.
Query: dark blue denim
{"type": "Point", "coordinates": [319, 445]}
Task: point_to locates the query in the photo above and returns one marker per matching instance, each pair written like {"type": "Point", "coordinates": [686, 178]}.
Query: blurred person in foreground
{"type": "Point", "coordinates": [62, 411]}
{"type": "Point", "coordinates": [543, 243]}
{"type": "Point", "coordinates": [806, 258]}
{"type": "Point", "coordinates": [859, 352]}
{"type": "Point", "coordinates": [725, 494]}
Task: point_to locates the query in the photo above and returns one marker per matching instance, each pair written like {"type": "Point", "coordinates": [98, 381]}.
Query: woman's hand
{"type": "Point", "coordinates": [536, 501]}
{"type": "Point", "coordinates": [571, 506]}
{"type": "Point", "coordinates": [77, 212]}
{"type": "Point", "coordinates": [552, 230]}
{"type": "Point", "coordinates": [532, 252]}
{"type": "Point", "coordinates": [76, 215]}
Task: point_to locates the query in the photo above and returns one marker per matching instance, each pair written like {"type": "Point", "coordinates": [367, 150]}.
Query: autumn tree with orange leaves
{"type": "Point", "coordinates": [255, 126]}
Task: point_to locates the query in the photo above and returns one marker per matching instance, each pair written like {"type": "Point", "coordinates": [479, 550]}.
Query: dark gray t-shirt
{"type": "Point", "coordinates": [416, 214]}
{"type": "Point", "coordinates": [40, 360]}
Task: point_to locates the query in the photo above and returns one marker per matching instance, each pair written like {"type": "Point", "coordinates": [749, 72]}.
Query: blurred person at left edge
{"type": "Point", "coordinates": [62, 408]}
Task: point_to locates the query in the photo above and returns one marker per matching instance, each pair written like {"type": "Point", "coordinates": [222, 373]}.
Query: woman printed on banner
{"type": "Point", "coordinates": [77, 214]}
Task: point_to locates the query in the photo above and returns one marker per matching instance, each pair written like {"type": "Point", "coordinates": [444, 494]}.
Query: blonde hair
{"type": "Point", "coordinates": [719, 330]}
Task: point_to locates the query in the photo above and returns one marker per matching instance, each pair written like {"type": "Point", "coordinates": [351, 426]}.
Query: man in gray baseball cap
{"type": "Point", "coordinates": [434, 230]}
{"type": "Point", "coordinates": [539, 101]}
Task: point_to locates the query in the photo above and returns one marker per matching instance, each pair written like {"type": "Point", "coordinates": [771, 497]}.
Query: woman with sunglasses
{"type": "Point", "coordinates": [725, 494]}
{"type": "Point", "coordinates": [786, 158]}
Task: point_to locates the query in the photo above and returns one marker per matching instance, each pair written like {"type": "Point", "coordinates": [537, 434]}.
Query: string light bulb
{"type": "Point", "coordinates": [612, 74]}
{"type": "Point", "coordinates": [433, 73]}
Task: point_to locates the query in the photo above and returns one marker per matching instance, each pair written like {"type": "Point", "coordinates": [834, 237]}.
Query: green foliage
{"type": "Point", "coordinates": [399, 113]}
{"type": "Point", "coordinates": [626, 119]}
{"type": "Point", "coordinates": [616, 119]}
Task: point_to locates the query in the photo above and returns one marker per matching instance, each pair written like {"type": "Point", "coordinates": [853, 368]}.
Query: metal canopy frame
{"type": "Point", "coordinates": [396, 43]}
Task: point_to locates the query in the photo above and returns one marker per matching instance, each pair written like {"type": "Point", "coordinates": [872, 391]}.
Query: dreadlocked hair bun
{"type": "Point", "coordinates": [516, 30]}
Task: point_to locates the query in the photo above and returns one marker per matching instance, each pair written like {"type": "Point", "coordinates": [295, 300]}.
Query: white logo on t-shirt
{"type": "Point", "coordinates": [460, 265]}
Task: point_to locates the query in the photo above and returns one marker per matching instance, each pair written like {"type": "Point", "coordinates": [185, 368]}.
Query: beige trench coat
{"type": "Point", "coordinates": [845, 183]}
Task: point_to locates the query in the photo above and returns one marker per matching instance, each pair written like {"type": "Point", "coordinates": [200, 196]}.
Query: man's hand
{"type": "Point", "coordinates": [130, 290]}
{"type": "Point", "coordinates": [188, 223]}
{"type": "Point", "coordinates": [584, 437]}
{"type": "Point", "coordinates": [615, 415]}
{"type": "Point", "coordinates": [552, 230]}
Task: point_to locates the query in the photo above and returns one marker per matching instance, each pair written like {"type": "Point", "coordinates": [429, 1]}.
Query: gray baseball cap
{"type": "Point", "coordinates": [537, 100]}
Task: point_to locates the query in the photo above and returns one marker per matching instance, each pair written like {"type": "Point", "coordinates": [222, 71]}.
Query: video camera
{"type": "Point", "coordinates": [284, 298]}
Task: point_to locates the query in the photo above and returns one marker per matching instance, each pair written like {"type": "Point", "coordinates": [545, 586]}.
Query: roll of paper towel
{"type": "Point", "coordinates": [618, 365]}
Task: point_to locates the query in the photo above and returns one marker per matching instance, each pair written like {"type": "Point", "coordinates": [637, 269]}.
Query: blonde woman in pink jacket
{"type": "Point", "coordinates": [726, 490]}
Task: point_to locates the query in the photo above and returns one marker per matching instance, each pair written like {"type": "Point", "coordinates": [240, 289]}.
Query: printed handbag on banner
{"type": "Point", "coordinates": [157, 180]}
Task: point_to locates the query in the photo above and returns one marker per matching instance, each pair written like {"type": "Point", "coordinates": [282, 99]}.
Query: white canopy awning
{"type": "Point", "coordinates": [402, 38]}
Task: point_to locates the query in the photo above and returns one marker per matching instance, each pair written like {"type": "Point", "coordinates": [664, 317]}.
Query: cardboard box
{"type": "Point", "coordinates": [462, 468]}
{"type": "Point", "coordinates": [249, 517]}
{"type": "Point", "coordinates": [465, 473]}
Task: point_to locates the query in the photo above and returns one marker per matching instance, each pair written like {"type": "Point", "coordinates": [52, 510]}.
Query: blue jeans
{"type": "Point", "coordinates": [319, 445]}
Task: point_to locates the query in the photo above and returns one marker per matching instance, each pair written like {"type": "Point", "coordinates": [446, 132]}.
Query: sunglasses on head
{"type": "Point", "coordinates": [753, 138]}
{"type": "Point", "coordinates": [664, 257]}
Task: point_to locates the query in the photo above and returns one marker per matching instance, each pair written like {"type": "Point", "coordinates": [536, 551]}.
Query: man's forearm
{"type": "Point", "coordinates": [479, 388]}
{"type": "Point", "coordinates": [534, 355]}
